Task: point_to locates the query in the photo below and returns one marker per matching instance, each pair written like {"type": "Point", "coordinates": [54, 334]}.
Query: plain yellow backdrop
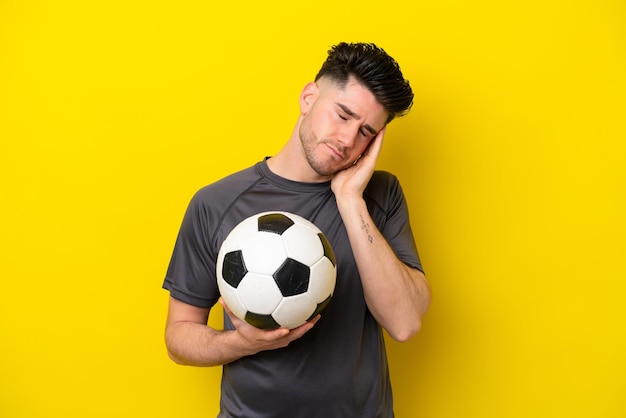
{"type": "Point", "coordinates": [112, 114]}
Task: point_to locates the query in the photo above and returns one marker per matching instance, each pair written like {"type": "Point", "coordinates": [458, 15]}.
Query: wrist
{"type": "Point", "coordinates": [349, 203]}
{"type": "Point", "coordinates": [236, 343]}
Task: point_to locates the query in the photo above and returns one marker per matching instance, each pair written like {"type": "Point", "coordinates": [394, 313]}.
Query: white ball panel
{"type": "Point", "coordinates": [303, 221]}
{"type": "Point", "coordinates": [231, 298]}
{"type": "Point", "coordinates": [322, 280]}
{"type": "Point", "coordinates": [219, 264]}
{"type": "Point", "coordinates": [303, 244]}
{"type": "Point", "coordinates": [264, 252]}
{"type": "Point", "coordinates": [240, 235]}
{"type": "Point", "coordinates": [293, 311]}
{"type": "Point", "coordinates": [259, 293]}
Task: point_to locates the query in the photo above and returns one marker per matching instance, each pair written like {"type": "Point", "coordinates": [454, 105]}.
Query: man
{"type": "Point", "coordinates": [334, 365]}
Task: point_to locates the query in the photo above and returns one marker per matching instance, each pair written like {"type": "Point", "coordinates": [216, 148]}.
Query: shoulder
{"type": "Point", "coordinates": [208, 206]}
{"type": "Point", "coordinates": [227, 188]}
{"type": "Point", "coordinates": [382, 180]}
{"type": "Point", "coordinates": [383, 186]}
{"type": "Point", "coordinates": [209, 203]}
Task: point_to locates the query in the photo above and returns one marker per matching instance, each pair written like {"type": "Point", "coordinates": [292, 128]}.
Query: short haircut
{"type": "Point", "coordinates": [375, 69]}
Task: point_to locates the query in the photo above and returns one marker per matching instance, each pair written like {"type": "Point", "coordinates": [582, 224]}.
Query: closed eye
{"type": "Point", "coordinates": [344, 110]}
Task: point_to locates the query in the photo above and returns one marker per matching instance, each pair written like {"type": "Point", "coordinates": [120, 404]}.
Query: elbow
{"type": "Point", "coordinates": [180, 360]}
{"type": "Point", "coordinates": [171, 351]}
{"type": "Point", "coordinates": [172, 355]}
{"type": "Point", "coordinates": [408, 329]}
{"type": "Point", "coordinates": [404, 334]}
{"type": "Point", "coordinates": [175, 359]}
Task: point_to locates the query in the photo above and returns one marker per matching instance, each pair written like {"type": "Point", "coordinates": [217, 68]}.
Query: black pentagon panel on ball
{"type": "Point", "coordinates": [234, 268]}
{"type": "Point", "coordinates": [320, 307]}
{"type": "Point", "coordinates": [292, 277]}
{"type": "Point", "coordinates": [276, 223]}
{"type": "Point", "coordinates": [328, 250]}
{"type": "Point", "coordinates": [261, 321]}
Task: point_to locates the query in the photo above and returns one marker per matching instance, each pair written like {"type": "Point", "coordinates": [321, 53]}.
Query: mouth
{"type": "Point", "coordinates": [337, 151]}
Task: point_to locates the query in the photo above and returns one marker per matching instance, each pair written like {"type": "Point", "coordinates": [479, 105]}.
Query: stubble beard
{"type": "Point", "coordinates": [310, 143]}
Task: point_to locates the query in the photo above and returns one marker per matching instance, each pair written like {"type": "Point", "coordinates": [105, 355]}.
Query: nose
{"type": "Point", "coordinates": [347, 134]}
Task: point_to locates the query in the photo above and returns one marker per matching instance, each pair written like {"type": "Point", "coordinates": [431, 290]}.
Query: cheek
{"type": "Point", "coordinates": [325, 123]}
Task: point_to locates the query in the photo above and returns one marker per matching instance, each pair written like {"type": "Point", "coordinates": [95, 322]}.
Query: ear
{"type": "Point", "coordinates": [309, 94]}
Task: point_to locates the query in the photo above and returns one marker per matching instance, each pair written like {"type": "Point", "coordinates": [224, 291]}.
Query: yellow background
{"type": "Point", "coordinates": [113, 113]}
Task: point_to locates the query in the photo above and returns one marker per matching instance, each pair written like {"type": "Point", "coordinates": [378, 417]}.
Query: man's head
{"type": "Point", "coordinates": [374, 69]}
{"type": "Point", "coordinates": [356, 93]}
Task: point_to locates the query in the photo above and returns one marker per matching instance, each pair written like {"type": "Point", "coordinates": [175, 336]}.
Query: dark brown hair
{"type": "Point", "coordinates": [373, 68]}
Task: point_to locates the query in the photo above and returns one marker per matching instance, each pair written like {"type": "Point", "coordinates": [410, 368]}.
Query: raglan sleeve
{"type": "Point", "coordinates": [397, 226]}
{"type": "Point", "coordinates": [190, 275]}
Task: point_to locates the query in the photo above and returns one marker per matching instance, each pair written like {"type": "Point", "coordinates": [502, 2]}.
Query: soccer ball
{"type": "Point", "coordinates": [276, 269]}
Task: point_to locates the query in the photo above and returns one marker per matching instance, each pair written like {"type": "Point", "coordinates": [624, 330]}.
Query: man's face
{"type": "Point", "coordinates": [338, 124]}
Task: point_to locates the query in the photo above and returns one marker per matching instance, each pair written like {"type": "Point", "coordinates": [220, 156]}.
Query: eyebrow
{"type": "Point", "coordinates": [349, 112]}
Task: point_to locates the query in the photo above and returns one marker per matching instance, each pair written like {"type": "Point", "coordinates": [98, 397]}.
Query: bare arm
{"type": "Point", "coordinates": [396, 294]}
{"type": "Point", "coordinates": [190, 341]}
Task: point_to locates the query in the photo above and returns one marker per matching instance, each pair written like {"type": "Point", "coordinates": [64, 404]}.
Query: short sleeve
{"type": "Point", "coordinates": [390, 211]}
{"type": "Point", "coordinates": [191, 273]}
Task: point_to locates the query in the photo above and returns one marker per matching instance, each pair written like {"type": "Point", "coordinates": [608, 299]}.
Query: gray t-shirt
{"type": "Point", "coordinates": [339, 368]}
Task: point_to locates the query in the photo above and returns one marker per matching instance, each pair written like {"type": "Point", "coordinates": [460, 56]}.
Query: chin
{"type": "Point", "coordinates": [324, 170]}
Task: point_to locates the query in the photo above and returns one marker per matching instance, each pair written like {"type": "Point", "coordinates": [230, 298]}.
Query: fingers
{"type": "Point", "coordinates": [374, 148]}
{"type": "Point", "coordinates": [295, 333]}
{"type": "Point", "coordinates": [304, 328]}
{"type": "Point", "coordinates": [275, 338]}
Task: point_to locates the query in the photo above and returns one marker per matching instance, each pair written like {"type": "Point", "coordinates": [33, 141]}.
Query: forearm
{"type": "Point", "coordinates": [191, 342]}
{"type": "Point", "coordinates": [396, 294]}
{"type": "Point", "coordinates": [195, 344]}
